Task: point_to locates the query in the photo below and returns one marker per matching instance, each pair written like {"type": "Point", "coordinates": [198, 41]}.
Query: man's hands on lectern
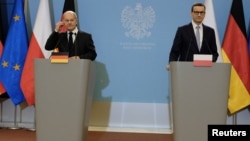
{"type": "Point", "coordinates": [74, 57]}
{"type": "Point", "coordinates": [168, 67]}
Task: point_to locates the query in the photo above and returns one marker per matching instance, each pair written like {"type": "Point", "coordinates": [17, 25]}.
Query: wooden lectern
{"type": "Point", "coordinates": [199, 98]}
{"type": "Point", "coordinates": [63, 94]}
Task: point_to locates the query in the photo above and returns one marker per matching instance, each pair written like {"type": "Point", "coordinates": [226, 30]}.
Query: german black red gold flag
{"type": "Point", "coordinates": [68, 5]}
{"type": "Point", "coordinates": [235, 51]}
{"type": "Point", "coordinates": [59, 57]}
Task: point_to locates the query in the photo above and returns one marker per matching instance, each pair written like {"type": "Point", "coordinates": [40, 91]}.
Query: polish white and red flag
{"type": "Point", "coordinates": [42, 30]}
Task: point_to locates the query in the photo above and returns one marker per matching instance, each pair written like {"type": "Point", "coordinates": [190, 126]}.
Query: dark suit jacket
{"type": "Point", "coordinates": [185, 46]}
{"type": "Point", "coordinates": [83, 44]}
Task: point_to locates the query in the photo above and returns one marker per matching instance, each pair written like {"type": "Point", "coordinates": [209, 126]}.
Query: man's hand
{"type": "Point", "coordinates": [74, 57]}
{"type": "Point", "coordinates": [58, 26]}
{"type": "Point", "coordinates": [168, 67]}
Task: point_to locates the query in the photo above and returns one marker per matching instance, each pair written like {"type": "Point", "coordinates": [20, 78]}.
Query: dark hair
{"type": "Point", "coordinates": [197, 4]}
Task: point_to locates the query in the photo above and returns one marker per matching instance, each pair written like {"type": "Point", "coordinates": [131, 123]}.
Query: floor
{"type": "Point", "coordinates": [27, 135]}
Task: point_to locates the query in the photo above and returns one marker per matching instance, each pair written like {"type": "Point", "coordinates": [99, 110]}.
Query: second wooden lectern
{"type": "Point", "coordinates": [199, 97]}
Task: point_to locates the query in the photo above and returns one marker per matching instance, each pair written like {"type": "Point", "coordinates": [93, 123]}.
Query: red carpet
{"type": "Point", "coordinates": [26, 135]}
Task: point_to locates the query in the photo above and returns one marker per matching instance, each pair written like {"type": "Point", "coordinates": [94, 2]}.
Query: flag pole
{"type": "Point", "coordinates": [234, 119]}
{"type": "Point", "coordinates": [34, 127]}
{"type": "Point", "coordinates": [1, 112]}
{"type": "Point", "coordinates": [15, 120]}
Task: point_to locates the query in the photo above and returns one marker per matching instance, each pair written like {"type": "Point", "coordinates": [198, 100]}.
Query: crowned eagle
{"type": "Point", "coordinates": [138, 21]}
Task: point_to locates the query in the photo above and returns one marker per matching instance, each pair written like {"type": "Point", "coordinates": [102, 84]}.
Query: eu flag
{"type": "Point", "coordinates": [14, 53]}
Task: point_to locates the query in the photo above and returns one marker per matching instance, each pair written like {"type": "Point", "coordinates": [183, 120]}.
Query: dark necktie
{"type": "Point", "coordinates": [70, 43]}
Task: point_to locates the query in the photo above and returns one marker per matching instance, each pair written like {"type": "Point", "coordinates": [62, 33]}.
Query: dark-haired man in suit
{"type": "Point", "coordinates": [194, 38]}
{"type": "Point", "coordinates": [77, 43]}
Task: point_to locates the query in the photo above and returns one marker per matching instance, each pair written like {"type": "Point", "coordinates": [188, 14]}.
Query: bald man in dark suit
{"type": "Point", "coordinates": [82, 46]}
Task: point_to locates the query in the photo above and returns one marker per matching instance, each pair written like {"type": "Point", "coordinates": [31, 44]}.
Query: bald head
{"type": "Point", "coordinates": [70, 12]}
{"type": "Point", "coordinates": [70, 20]}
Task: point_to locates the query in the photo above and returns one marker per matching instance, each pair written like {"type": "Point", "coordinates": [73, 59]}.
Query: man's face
{"type": "Point", "coordinates": [70, 21]}
{"type": "Point", "coordinates": [198, 14]}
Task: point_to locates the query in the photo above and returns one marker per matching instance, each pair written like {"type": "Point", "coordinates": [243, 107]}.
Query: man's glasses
{"type": "Point", "coordinates": [199, 12]}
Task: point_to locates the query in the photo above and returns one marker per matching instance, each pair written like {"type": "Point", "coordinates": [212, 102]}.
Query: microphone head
{"type": "Point", "coordinates": [56, 50]}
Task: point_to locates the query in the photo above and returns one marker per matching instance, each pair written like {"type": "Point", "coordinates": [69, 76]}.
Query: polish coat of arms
{"type": "Point", "coordinates": [138, 21]}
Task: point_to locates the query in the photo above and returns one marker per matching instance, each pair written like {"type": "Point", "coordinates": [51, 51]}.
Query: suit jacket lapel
{"type": "Point", "coordinates": [192, 35]}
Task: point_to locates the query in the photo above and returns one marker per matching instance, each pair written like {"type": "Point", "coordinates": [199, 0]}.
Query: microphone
{"type": "Point", "coordinates": [57, 43]}
{"type": "Point", "coordinates": [189, 45]}
{"type": "Point", "coordinates": [208, 46]}
{"type": "Point", "coordinates": [56, 50]}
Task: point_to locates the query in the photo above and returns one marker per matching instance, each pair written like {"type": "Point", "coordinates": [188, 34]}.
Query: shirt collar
{"type": "Point", "coordinates": [194, 25]}
{"type": "Point", "coordinates": [75, 31]}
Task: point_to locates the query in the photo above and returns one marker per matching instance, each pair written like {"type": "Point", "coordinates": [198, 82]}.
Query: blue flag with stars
{"type": "Point", "coordinates": [14, 53]}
